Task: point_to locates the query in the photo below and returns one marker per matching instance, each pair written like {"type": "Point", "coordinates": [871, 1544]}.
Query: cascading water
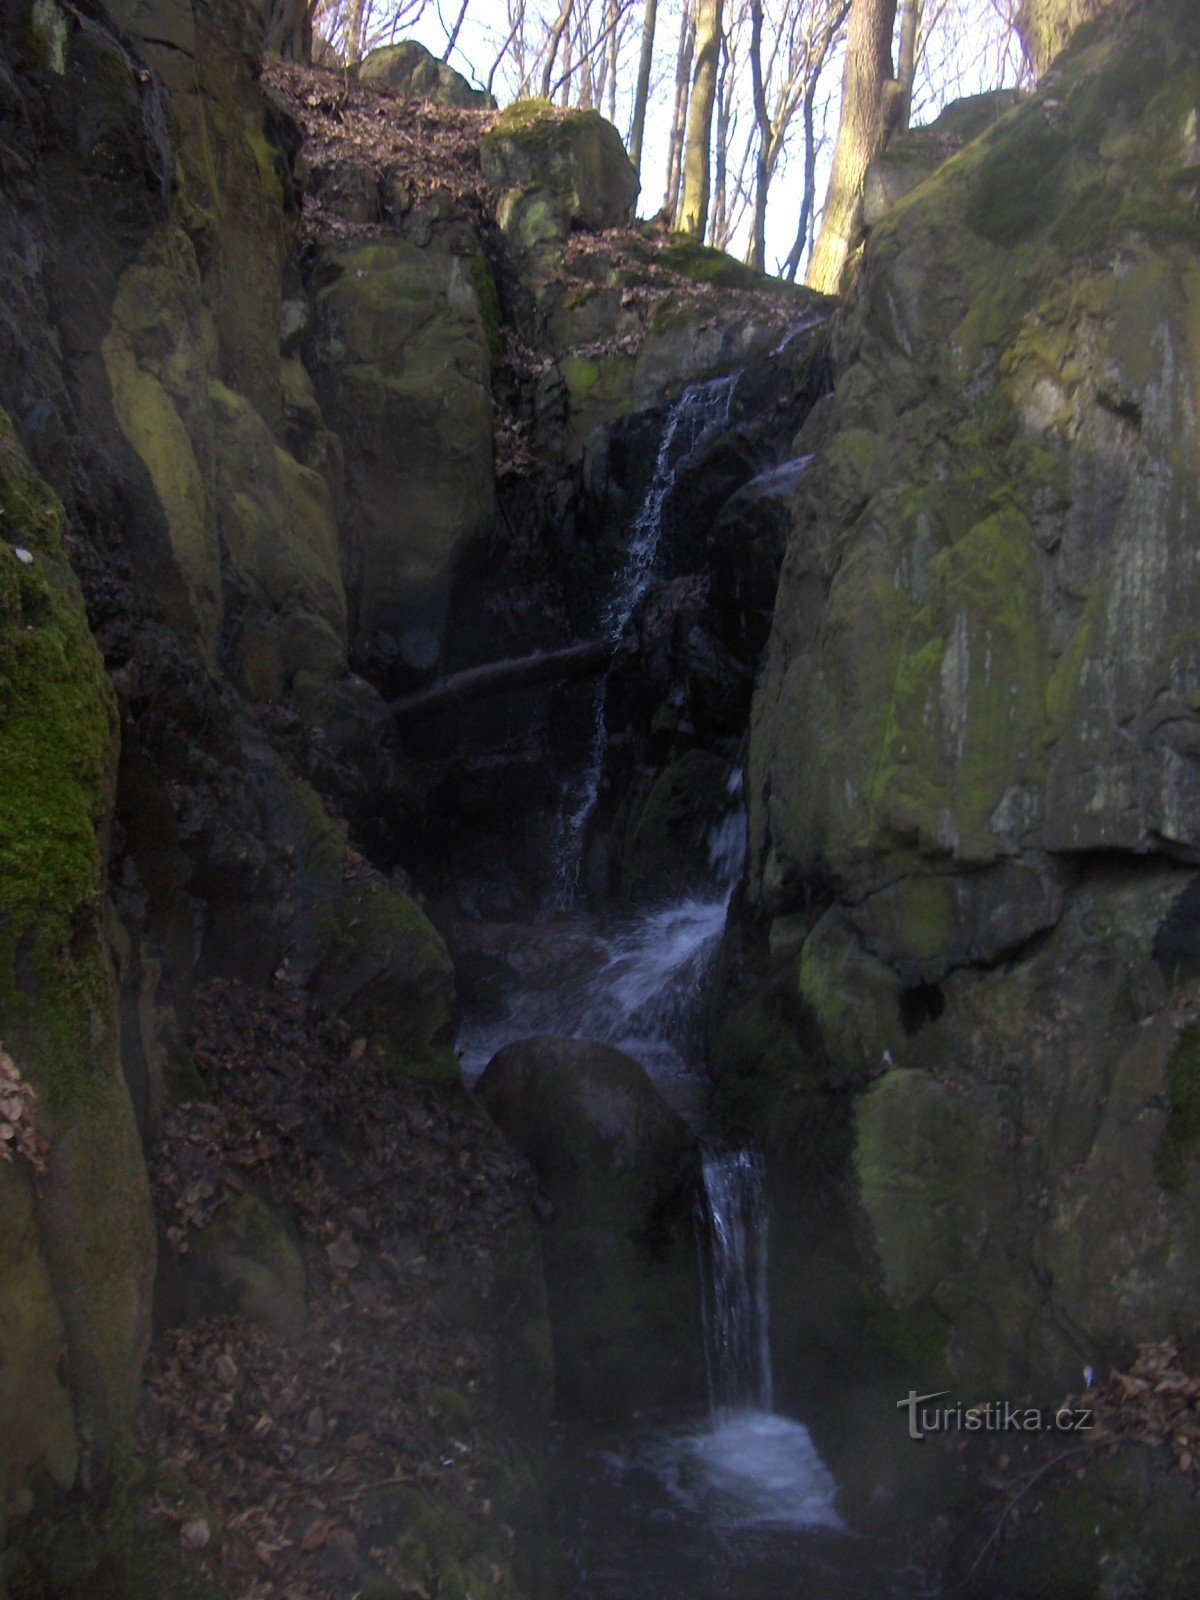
{"type": "Point", "coordinates": [698, 412]}
{"type": "Point", "coordinates": [731, 1218]}
{"type": "Point", "coordinates": [638, 985]}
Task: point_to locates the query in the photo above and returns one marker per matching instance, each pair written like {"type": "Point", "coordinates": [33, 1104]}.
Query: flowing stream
{"type": "Point", "coordinates": [735, 1504]}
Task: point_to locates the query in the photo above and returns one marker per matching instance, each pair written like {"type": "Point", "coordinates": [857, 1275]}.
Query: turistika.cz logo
{"type": "Point", "coordinates": [996, 1416]}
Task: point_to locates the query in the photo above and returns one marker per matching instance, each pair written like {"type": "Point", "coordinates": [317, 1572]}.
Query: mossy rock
{"type": "Point", "coordinates": [575, 159]}
{"type": "Point", "coordinates": [401, 347]}
{"type": "Point", "coordinates": [58, 1009]}
{"type": "Point", "coordinates": [1112, 1523]}
{"type": "Point", "coordinates": [387, 971]}
{"type": "Point", "coordinates": [245, 1260]}
{"type": "Point", "coordinates": [276, 519]}
{"type": "Point", "coordinates": [107, 1544]}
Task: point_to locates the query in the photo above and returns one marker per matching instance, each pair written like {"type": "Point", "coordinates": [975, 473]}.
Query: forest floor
{"type": "Point", "coordinates": [398, 1198]}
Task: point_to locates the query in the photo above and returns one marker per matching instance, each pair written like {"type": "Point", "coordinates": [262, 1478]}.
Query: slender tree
{"type": "Point", "coordinates": [697, 159]}
{"type": "Point", "coordinates": [683, 79]}
{"type": "Point", "coordinates": [869, 96]}
{"type": "Point", "coordinates": [452, 36]}
{"type": "Point", "coordinates": [910, 28]}
{"type": "Point", "coordinates": [641, 97]}
{"type": "Point", "coordinates": [556, 35]}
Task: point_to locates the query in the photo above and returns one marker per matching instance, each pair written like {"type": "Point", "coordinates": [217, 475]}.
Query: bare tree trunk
{"type": "Point", "coordinates": [910, 28]}
{"type": "Point", "coordinates": [637, 131]}
{"type": "Point", "coordinates": [796, 254]}
{"type": "Point", "coordinates": [611, 53]}
{"type": "Point", "coordinates": [719, 222]}
{"type": "Point", "coordinates": [354, 31]}
{"type": "Point", "coordinates": [454, 31]}
{"type": "Point", "coordinates": [762, 176]}
{"type": "Point", "coordinates": [564, 83]}
{"type": "Point", "coordinates": [683, 78]}
{"type": "Point", "coordinates": [552, 44]}
{"type": "Point", "coordinates": [868, 107]}
{"type": "Point", "coordinates": [697, 162]}
{"type": "Point", "coordinates": [515, 34]}
{"type": "Point", "coordinates": [289, 30]}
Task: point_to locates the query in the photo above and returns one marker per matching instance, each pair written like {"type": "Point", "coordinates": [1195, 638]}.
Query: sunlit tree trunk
{"type": "Point", "coordinates": [637, 131]}
{"type": "Point", "coordinates": [868, 105]}
{"type": "Point", "coordinates": [1046, 26]}
{"type": "Point", "coordinates": [910, 29]}
{"type": "Point", "coordinates": [697, 166]}
{"type": "Point", "coordinates": [355, 19]}
{"type": "Point", "coordinates": [719, 224]}
{"type": "Point", "coordinates": [683, 78]}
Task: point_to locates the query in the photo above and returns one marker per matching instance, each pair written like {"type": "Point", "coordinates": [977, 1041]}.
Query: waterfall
{"type": "Point", "coordinates": [731, 1215]}
{"type": "Point", "coordinates": [695, 415]}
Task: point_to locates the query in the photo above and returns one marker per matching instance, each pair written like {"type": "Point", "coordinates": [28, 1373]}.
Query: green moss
{"type": "Point", "coordinates": [106, 1544]}
{"type": "Point", "coordinates": [537, 120]}
{"type": "Point", "coordinates": [1016, 182]}
{"type": "Point", "coordinates": [692, 260]}
{"type": "Point", "coordinates": [458, 1555]}
{"type": "Point", "coordinates": [1173, 1156]}
{"type": "Point", "coordinates": [57, 752]}
{"type": "Point", "coordinates": [454, 1409]}
{"type": "Point", "coordinates": [484, 281]}
{"type": "Point", "coordinates": [388, 972]}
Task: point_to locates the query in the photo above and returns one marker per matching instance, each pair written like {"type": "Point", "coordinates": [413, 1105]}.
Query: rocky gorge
{"type": "Point", "coordinates": [323, 395]}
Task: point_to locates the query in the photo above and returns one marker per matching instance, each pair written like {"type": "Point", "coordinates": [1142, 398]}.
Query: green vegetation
{"type": "Point", "coordinates": [1172, 1159]}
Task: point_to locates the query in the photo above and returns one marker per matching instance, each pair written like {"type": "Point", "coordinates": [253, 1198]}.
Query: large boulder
{"type": "Point", "coordinates": [557, 170]}
{"type": "Point", "coordinates": [619, 1170]}
{"type": "Point", "coordinates": [416, 72]}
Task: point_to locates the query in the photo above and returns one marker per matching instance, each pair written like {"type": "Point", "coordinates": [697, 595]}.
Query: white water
{"type": "Point", "coordinates": [697, 413]}
{"type": "Point", "coordinates": [637, 983]}
{"type": "Point", "coordinates": [751, 1467]}
{"type": "Point", "coordinates": [731, 1216]}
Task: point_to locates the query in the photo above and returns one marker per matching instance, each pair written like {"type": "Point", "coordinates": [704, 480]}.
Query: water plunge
{"type": "Point", "coordinates": [699, 411]}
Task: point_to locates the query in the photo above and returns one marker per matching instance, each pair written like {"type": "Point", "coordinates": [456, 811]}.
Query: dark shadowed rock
{"type": "Point", "coordinates": [619, 1169]}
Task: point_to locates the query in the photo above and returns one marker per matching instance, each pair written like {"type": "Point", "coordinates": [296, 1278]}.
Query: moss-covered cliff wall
{"type": "Point", "coordinates": [972, 780]}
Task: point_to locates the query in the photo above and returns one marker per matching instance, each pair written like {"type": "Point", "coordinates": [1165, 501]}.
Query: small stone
{"type": "Point", "coordinates": [195, 1535]}
{"type": "Point", "coordinates": [23, 555]}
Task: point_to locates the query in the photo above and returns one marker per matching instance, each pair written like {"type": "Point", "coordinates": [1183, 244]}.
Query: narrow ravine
{"type": "Point", "coordinates": [678, 1505]}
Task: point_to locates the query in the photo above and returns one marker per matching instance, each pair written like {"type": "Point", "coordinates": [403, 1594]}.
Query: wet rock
{"type": "Point", "coordinates": [619, 1169]}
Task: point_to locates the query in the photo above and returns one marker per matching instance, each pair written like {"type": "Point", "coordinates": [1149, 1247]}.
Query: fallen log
{"type": "Point", "coordinates": [495, 677]}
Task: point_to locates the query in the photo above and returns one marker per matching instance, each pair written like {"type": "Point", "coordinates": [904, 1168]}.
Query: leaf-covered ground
{"type": "Point", "coordinates": [400, 1200]}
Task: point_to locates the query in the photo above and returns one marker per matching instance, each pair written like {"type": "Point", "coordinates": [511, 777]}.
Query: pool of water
{"type": "Point", "coordinates": [741, 1510]}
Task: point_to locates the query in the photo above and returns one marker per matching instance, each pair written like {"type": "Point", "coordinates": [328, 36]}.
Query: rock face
{"type": "Point", "coordinates": [412, 69]}
{"type": "Point", "coordinates": [401, 359]}
{"type": "Point", "coordinates": [619, 1170]}
{"type": "Point", "coordinates": [974, 811]}
{"type": "Point", "coordinates": [78, 1254]}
